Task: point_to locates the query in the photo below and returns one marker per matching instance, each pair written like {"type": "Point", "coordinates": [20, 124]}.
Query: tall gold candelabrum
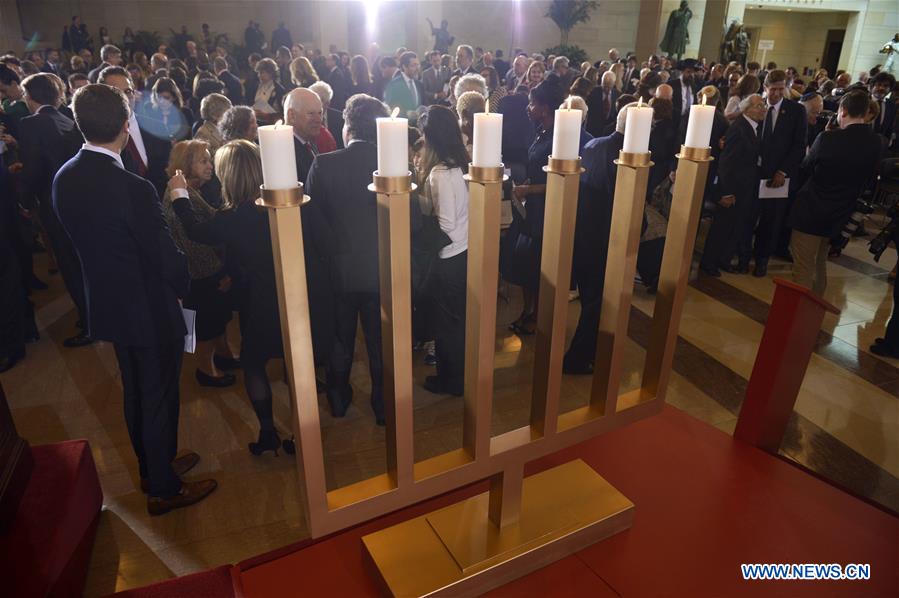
{"type": "Point", "coordinates": [683, 223]}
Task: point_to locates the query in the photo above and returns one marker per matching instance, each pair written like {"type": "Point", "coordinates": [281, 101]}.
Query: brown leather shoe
{"type": "Point", "coordinates": [183, 463]}
{"type": "Point", "coordinates": [191, 493]}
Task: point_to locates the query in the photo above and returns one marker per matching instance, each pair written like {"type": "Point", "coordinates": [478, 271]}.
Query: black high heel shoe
{"type": "Point", "coordinates": [268, 441]}
{"type": "Point", "coordinates": [222, 381]}
{"type": "Point", "coordinates": [289, 446]}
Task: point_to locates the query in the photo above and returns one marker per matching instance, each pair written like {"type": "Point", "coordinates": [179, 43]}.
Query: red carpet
{"type": "Point", "coordinates": [705, 504]}
{"type": "Point", "coordinates": [47, 550]}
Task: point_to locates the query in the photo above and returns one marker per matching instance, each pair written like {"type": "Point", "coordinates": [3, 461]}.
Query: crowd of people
{"type": "Point", "coordinates": [138, 175]}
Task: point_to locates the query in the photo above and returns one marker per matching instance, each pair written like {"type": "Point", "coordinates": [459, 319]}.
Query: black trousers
{"type": "Point", "coordinates": [589, 271]}
{"type": "Point", "coordinates": [731, 233]}
{"type": "Point", "coordinates": [349, 309]}
{"type": "Point", "coordinates": [13, 302]}
{"type": "Point", "coordinates": [150, 378]}
{"type": "Point", "coordinates": [66, 259]}
{"type": "Point", "coordinates": [771, 214]}
{"type": "Point", "coordinates": [451, 278]}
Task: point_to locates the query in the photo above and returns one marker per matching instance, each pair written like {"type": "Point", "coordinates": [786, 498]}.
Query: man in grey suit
{"type": "Point", "coordinates": [434, 79]}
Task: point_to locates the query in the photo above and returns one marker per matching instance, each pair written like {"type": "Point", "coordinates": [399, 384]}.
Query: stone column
{"type": "Point", "coordinates": [648, 34]}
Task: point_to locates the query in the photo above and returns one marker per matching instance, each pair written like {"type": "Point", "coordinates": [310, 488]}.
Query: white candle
{"type": "Point", "coordinates": [699, 127]}
{"type": "Point", "coordinates": [637, 129]}
{"type": "Point", "coordinates": [279, 165]}
{"type": "Point", "coordinates": [393, 146]}
{"type": "Point", "coordinates": [487, 148]}
{"type": "Point", "coordinates": [567, 133]}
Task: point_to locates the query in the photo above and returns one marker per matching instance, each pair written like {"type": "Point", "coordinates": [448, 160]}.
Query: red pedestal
{"type": "Point", "coordinates": [786, 348]}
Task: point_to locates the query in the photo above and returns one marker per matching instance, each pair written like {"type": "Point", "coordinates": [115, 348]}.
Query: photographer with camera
{"type": "Point", "coordinates": [837, 168]}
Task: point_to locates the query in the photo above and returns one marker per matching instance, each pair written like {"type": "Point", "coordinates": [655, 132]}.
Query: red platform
{"type": "Point", "coordinates": [705, 503]}
{"type": "Point", "coordinates": [47, 549]}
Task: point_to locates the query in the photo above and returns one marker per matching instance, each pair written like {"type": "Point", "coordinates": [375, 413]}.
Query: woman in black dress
{"type": "Point", "coordinates": [244, 230]}
{"type": "Point", "coordinates": [524, 241]}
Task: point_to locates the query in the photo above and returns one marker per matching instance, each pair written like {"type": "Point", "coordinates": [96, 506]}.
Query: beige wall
{"type": "Point", "coordinates": [488, 23]}
{"type": "Point", "coordinates": [799, 37]}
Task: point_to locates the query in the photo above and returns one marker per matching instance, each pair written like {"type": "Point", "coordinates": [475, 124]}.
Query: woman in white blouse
{"type": "Point", "coordinates": [444, 163]}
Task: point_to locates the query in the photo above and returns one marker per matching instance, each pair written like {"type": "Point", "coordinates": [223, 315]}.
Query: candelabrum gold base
{"type": "Point", "coordinates": [457, 551]}
{"type": "Point", "coordinates": [634, 160]}
{"type": "Point", "coordinates": [282, 198]}
{"type": "Point", "coordinates": [695, 154]}
{"type": "Point", "coordinates": [563, 166]}
{"type": "Point", "coordinates": [392, 184]}
{"type": "Point", "coordinates": [485, 174]}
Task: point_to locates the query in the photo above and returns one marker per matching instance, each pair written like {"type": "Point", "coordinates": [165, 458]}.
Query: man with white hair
{"type": "Point", "coordinates": [470, 82]}
{"type": "Point", "coordinates": [614, 55]}
{"type": "Point", "coordinates": [591, 239]}
{"type": "Point", "coordinates": [602, 104]}
{"type": "Point", "coordinates": [518, 73]}
{"type": "Point", "coordinates": [331, 117]}
{"type": "Point", "coordinates": [303, 112]}
{"type": "Point", "coordinates": [563, 70]}
{"type": "Point", "coordinates": [814, 106]}
{"type": "Point", "coordinates": [738, 181]}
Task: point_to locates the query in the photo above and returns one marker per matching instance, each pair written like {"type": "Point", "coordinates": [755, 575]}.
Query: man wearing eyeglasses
{"type": "Point", "coordinates": [146, 154]}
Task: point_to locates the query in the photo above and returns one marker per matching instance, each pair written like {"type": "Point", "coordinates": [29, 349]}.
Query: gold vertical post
{"type": "Point", "coordinates": [293, 303]}
{"type": "Point", "coordinates": [563, 179]}
{"type": "Point", "coordinates": [621, 265]}
{"type": "Point", "coordinates": [504, 504]}
{"type": "Point", "coordinates": [683, 221]}
{"type": "Point", "coordinates": [485, 195]}
{"type": "Point", "coordinates": [394, 260]}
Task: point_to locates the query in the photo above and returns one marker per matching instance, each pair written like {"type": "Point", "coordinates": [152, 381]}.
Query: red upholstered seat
{"type": "Point", "coordinates": [47, 549]}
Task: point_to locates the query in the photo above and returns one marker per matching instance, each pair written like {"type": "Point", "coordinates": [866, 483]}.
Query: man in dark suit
{"type": "Point", "coordinates": [303, 112]}
{"type": "Point", "coordinates": [838, 167]}
{"type": "Point", "coordinates": [684, 90]}
{"type": "Point", "coordinates": [338, 185]}
{"type": "Point", "coordinates": [434, 80]}
{"type": "Point", "coordinates": [146, 154]}
{"type": "Point", "coordinates": [233, 86]}
{"type": "Point", "coordinates": [738, 184]}
{"type": "Point", "coordinates": [110, 56]}
{"type": "Point", "coordinates": [47, 141]}
{"type": "Point", "coordinates": [783, 146]}
{"type": "Point", "coordinates": [601, 105]}
{"type": "Point", "coordinates": [335, 78]}
{"type": "Point", "coordinates": [464, 61]}
{"type": "Point", "coordinates": [591, 240]}
{"type": "Point", "coordinates": [885, 124]}
{"type": "Point", "coordinates": [52, 64]}
{"type": "Point", "coordinates": [134, 276]}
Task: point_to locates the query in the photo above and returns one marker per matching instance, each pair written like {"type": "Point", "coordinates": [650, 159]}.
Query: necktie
{"type": "Point", "coordinates": [133, 152]}
{"type": "Point", "coordinates": [769, 123]}
{"type": "Point", "coordinates": [311, 149]}
{"type": "Point", "coordinates": [412, 91]}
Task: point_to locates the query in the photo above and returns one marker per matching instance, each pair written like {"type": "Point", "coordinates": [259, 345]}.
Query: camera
{"type": "Point", "coordinates": [860, 213]}
{"type": "Point", "coordinates": [878, 244]}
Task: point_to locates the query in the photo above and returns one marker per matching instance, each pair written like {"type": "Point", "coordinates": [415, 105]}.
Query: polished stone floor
{"type": "Point", "coordinates": [844, 426]}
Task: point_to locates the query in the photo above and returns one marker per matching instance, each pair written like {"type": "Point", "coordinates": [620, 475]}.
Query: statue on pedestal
{"type": "Point", "coordinates": [676, 35]}
{"type": "Point", "coordinates": [442, 39]}
{"type": "Point", "coordinates": [891, 49]}
{"type": "Point", "coordinates": [735, 47]}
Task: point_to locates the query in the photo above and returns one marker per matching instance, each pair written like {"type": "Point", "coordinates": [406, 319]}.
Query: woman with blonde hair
{"type": "Point", "coordinates": [244, 231]}
{"type": "Point", "coordinates": [536, 73]}
{"type": "Point", "coordinates": [209, 281]}
{"type": "Point", "coordinates": [746, 86]}
{"type": "Point", "coordinates": [302, 73]}
{"type": "Point", "coordinates": [618, 69]}
{"type": "Point", "coordinates": [212, 108]}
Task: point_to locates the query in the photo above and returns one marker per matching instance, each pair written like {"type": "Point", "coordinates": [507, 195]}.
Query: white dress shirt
{"type": "Point", "coordinates": [102, 150]}
{"type": "Point", "coordinates": [449, 196]}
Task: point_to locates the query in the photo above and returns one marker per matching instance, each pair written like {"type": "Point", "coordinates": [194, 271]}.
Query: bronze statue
{"type": "Point", "coordinates": [735, 47]}
{"type": "Point", "coordinates": [442, 39]}
{"type": "Point", "coordinates": [676, 35]}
